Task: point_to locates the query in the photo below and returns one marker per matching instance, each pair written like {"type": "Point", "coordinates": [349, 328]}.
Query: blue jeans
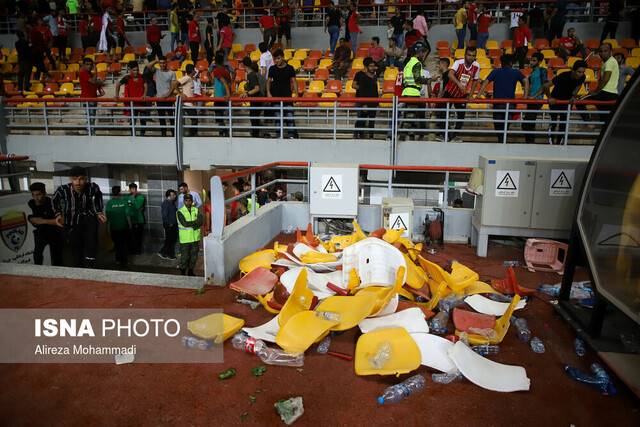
{"type": "Point", "coordinates": [334, 34]}
{"type": "Point", "coordinates": [354, 42]}
{"type": "Point", "coordinates": [393, 62]}
{"type": "Point", "coordinates": [399, 39]}
{"type": "Point", "coordinates": [482, 40]}
{"type": "Point", "coordinates": [461, 34]}
{"type": "Point", "coordinates": [473, 31]}
{"type": "Point", "coordinates": [174, 40]}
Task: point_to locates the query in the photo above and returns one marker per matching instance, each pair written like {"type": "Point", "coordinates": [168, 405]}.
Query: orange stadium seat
{"type": "Point", "coordinates": [321, 74]}
{"type": "Point", "coordinates": [310, 64]}
{"type": "Point", "coordinates": [333, 86]}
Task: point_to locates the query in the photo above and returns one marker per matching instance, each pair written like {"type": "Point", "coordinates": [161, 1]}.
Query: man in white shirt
{"type": "Point", "coordinates": [266, 59]}
{"type": "Point", "coordinates": [187, 86]}
{"type": "Point", "coordinates": [183, 188]}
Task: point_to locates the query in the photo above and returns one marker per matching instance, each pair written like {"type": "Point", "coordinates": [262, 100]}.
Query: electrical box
{"type": "Point", "coordinates": [397, 213]}
{"type": "Point", "coordinates": [333, 190]}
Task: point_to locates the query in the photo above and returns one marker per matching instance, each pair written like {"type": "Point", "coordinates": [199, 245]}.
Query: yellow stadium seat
{"type": "Point", "coordinates": [102, 67]}
{"type": "Point", "coordinates": [484, 73]}
{"type": "Point", "coordinates": [390, 73]}
{"type": "Point", "coordinates": [328, 95]}
{"type": "Point", "coordinates": [288, 54]}
{"type": "Point", "coordinates": [459, 54]}
{"type": "Point", "coordinates": [386, 104]}
{"type": "Point", "coordinates": [325, 63]}
{"type": "Point", "coordinates": [590, 75]}
{"type": "Point", "coordinates": [357, 64]}
{"type": "Point", "coordinates": [572, 60]}
{"type": "Point", "coordinates": [73, 68]}
{"type": "Point", "coordinates": [635, 51]}
{"type": "Point", "coordinates": [236, 47]}
{"type": "Point", "coordinates": [348, 88]}
{"type": "Point", "coordinates": [633, 61]}
{"type": "Point", "coordinates": [67, 89]}
{"type": "Point", "coordinates": [36, 88]}
{"type": "Point", "coordinates": [316, 86]}
{"type": "Point", "coordinates": [185, 63]}
{"type": "Point", "coordinates": [301, 54]}
{"type": "Point", "coordinates": [28, 104]}
{"type": "Point", "coordinates": [179, 74]}
{"type": "Point", "coordinates": [128, 57]}
{"type": "Point", "coordinates": [614, 43]}
{"type": "Point", "coordinates": [562, 70]}
{"type": "Point", "coordinates": [492, 44]}
{"type": "Point", "coordinates": [481, 53]}
{"type": "Point", "coordinates": [295, 63]}
{"type": "Point", "coordinates": [548, 53]}
{"type": "Point", "coordinates": [255, 56]}
{"type": "Point", "coordinates": [484, 63]}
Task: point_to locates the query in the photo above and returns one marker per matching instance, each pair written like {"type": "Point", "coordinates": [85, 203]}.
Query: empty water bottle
{"type": "Point", "coordinates": [382, 356]}
{"type": "Point", "coordinates": [446, 377]}
{"type": "Point", "coordinates": [500, 298]}
{"type": "Point", "coordinates": [193, 342]}
{"type": "Point", "coordinates": [486, 349]}
{"type": "Point", "coordinates": [449, 302]}
{"type": "Point", "coordinates": [579, 347]}
{"type": "Point", "coordinates": [600, 379]}
{"type": "Point", "coordinates": [270, 356]}
{"type": "Point", "coordinates": [537, 345]}
{"type": "Point", "coordinates": [328, 315]}
{"type": "Point", "coordinates": [524, 333]}
{"type": "Point", "coordinates": [396, 393]}
{"type": "Point", "coordinates": [511, 263]}
{"type": "Point", "coordinates": [438, 323]}
{"type": "Point", "coordinates": [323, 347]}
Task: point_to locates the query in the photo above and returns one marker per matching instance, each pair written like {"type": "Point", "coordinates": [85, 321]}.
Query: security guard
{"type": "Point", "coordinates": [189, 224]}
{"type": "Point", "coordinates": [412, 80]}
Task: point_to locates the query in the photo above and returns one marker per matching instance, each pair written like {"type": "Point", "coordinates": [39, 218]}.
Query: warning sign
{"type": "Point", "coordinates": [561, 182]}
{"type": "Point", "coordinates": [507, 183]}
{"type": "Point", "coordinates": [399, 221]}
{"type": "Point", "coordinates": [332, 186]}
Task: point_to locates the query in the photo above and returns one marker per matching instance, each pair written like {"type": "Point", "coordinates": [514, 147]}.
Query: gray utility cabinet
{"type": "Point", "coordinates": [526, 197]}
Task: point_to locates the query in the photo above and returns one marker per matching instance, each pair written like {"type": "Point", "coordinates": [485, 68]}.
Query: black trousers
{"type": "Point", "coordinates": [521, 55]}
{"type": "Point", "coordinates": [156, 52]}
{"type": "Point", "coordinates": [120, 238]}
{"type": "Point", "coordinates": [24, 75]}
{"type": "Point", "coordinates": [188, 255]}
{"type": "Point", "coordinates": [600, 96]}
{"type": "Point", "coordinates": [165, 110]}
{"type": "Point", "coordinates": [170, 238]}
{"type": "Point", "coordinates": [460, 115]}
{"type": "Point", "coordinates": [135, 240]}
{"type": "Point", "coordinates": [47, 235]}
{"type": "Point", "coordinates": [609, 30]}
{"type": "Point", "coordinates": [220, 113]}
{"type": "Point", "coordinates": [255, 112]}
{"type": "Point", "coordinates": [83, 241]}
{"type": "Point", "coordinates": [558, 122]}
{"type": "Point", "coordinates": [195, 51]}
{"type": "Point", "coordinates": [52, 60]}
{"type": "Point", "coordinates": [365, 119]}
{"type": "Point", "coordinates": [209, 50]}
{"type": "Point", "coordinates": [38, 62]}
{"type": "Point", "coordinates": [529, 137]}
{"type": "Point", "coordinates": [61, 43]}
{"type": "Point", "coordinates": [499, 120]}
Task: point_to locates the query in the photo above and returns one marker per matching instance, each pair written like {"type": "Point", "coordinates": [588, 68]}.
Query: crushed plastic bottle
{"type": "Point", "coordinates": [323, 347]}
{"type": "Point", "coordinates": [579, 290]}
{"type": "Point", "coordinates": [500, 298]}
{"type": "Point", "coordinates": [449, 302]}
{"type": "Point", "coordinates": [447, 377]}
{"type": "Point", "coordinates": [600, 379]}
{"type": "Point", "coordinates": [438, 323]}
{"type": "Point", "coordinates": [382, 356]}
{"type": "Point", "coordinates": [537, 345]}
{"type": "Point", "coordinates": [486, 349]}
{"type": "Point", "coordinates": [513, 263]}
{"type": "Point", "coordinates": [396, 393]}
{"type": "Point", "coordinates": [270, 356]}
{"type": "Point", "coordinates": [579, 347]}
{"type": "Point", "coordinates": [193, 342]}
{"type": "Point", "coordinates": [524, 333]}
{"type": "Point", "coordinates": [328, 315]}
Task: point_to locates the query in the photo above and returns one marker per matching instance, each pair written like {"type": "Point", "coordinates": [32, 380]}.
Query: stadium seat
{"type": "Point", "coordinates": [562, 70]}
{"type": "Point", "coordinates": [202, 65]}
{"type": "Point", "coordinates": [594, 62]}
{"type": "Point", "coordinates": [443, 53]}
{"type": "Point", "coordinates": [249, 47]}
{"type": "Point", "coordinates": [333, 86]}
{"type": "Point", "coordinates": [205, 78]}
{"type": "Point", "coordinates": [347, 96]}
{"type": "Point", "coordinates": [321, 74]}
{"type": "Point", "coordinates": [295, 63]}
{"type": "Point", "coordinates": [309, 65]}
{"type": "Point", "coordinates": [128, 57]}
{"type": "Point", "coordinates": [67, 89]}
{"type": "Point", "coordinates": [592, 44]}
{"type": "Point", "coordinates": [36, 89]}
{"type": "Point", "coordinates": [484, 73]}
{"type": "Point", "coordinates": [255, 56]}
{"type": "Point", "coordinates": [315, 54]}
{"type": "Point", "coordinates": [69, 77]}
{"type": "Point", "coordinates": [51, 88]}
{"type": "Point", "coordinates": [548, 53]}
{"type": "Point", "coordinates": [484, 63]}
{"type": "Point", "coordinates": [628, 44]}
{"type": "Point", "coordinates": [357, 64]}
{"type": "Point", "coordinates": [635, 51]}
{"type": "Point", "coordinates": [240, 55]}
{"type": "Point", "coordinates": [302, 85]}
{"type": "Point", "coordinates": [556, 63]}
{"type": "Point", "coordinates": [362, 52]}
{"type": "Point", "coordinates": [316, 86]}
{"type": "Point", "coordinates": [621, 50]}
{"type": "Point", "coordinates": [492, 44]}
{"type": "Point", "coordinates": [633, 62]}
{"type": "Point", "coordinates": [495, 53]}
{"type": "Point", "coordinates": [241, 75]}
{"type": "Point", "coordinates": [184, 64]}
{"type": "Point", "coordinates": [541, 44]}
{"type": "Point", "coordinates": [179, 74]}
{"type": "Point", "coordinates": [442, 44]}
{"type": "Point", "coordinates": [459, 54]}
{"type": "Point", "coordinates": [571, 60]}
{"type": "Point", "coordinates": [328, 95]}
{"type": "Point", "coordinates": [386, 104]}
{"type": "Point", "coordinates": [140, 51]}
{"type": "Point", "coordinates": [306, 103]}
{"type": "Point", "coordinates": [590, 75]}
{"type": "Point", "coordinates": [506, 44]}
{"type": "Point", "coordinates": [236, 47]}
{"type": "Point", "coordinates": [390, 73]}
{"type": "Point", "coordinates": [481, 53]}
{"type": "Point", "coordinates": [325, 63]}
{"type": "Point", "coordinates": [389, 86]}
{"type": "Point", "coordinates": [288, 54]}
{"type": "Point", "coordinates": [613, 42]}
{"type": "Point", "coordinates": [301, 55]}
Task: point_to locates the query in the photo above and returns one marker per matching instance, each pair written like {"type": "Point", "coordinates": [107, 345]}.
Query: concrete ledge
{"type": "Point", "coordinates": [111, 276]}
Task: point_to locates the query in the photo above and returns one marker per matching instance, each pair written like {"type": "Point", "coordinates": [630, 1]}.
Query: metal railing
{"type": "Point", "coordinates": [393, 119]}
{"type": "Point", "coordinates": [438, 12]}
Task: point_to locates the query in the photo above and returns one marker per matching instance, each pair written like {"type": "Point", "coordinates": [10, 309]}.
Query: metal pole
{"type": "Point", "coordinates": [231, 117]}
{"type": "Point", "coordinates": [505, 123]}
{"type": "Point", "coordinates": [335, 119]}
{"type": "Point", "coordinates": [281, 120]}
{"type": "Point", "coordinates": [133, 120]}
{"type": "Point", "coordinates": [446, 122]}
{"type": "Point", "coordinates": [46, 119]}
{"type": "Point", "coordinates": [254, 208]}
{"type": "Point", "coordinates": [88, 118]}
{"type": "Point", "coordinates": [445, 190]}
{"type": "Point", "coordinates": [566, 128]}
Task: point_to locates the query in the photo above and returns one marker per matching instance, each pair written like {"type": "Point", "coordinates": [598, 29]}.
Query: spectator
{"type": "Point", "coordinates": [504, 81]}
{"type": "Point", "coordinates": [565, 88]}
{"type": "Point", "coordinates": [183, 20]}
{"type": "Point", "coordinates": [121, 34]}
{"type": "Point", "coordinates": [183, 189]}
{"type": "Point", "coordinates": [281, 195]}
{"type": "Point", "coordinates": [187, 84]}
{"type": "Point", "coordinates": [570, 46]}
{"type": "Point", "coordinates": [411, 36]}
{"type": "Point", "coordinates": [413, 79]}
{"type": "Point", "coordinates": [377, 53]}
{"type": "Point", "coordinates": [282, 84]}
{"type": "Point", "coordinates": [52, 22]}
{"type": "Point", "coordinates": [514, 19]}
{"type": "Point", "coordinates": [180, 52]}
{"type": "Point", "coordinates": [354, 28]}
{"type": "Point", "coordinates": [266, 59]}
{"type": "Point", "coordinates": [557, 19]}
{"type": "Point", "coordinates": [222, 89]}
{"type": "Point", "coordinates": [47, 38]}
{"type": "Point", "coordinates": [170, 225]}
{"type": "Point", "coordinates": [78, 206]}
{"type": "Point", "coordinates": [83, 30]}
{"type": "Point", "coordinates": [284, 24]}
{"type": "Point", "coordinates": [136, 204]}
{"type": "Point", "coordinates": [174, 26]}
{"type": "Point", "coordinates": [154, 35]}
{"type": "Point", "coordinates": [396, 21]}
{"type": "Point", "coordinates": [365, 83]}
{"type": "Point", "coordinates": [60, 41]}
{"type": "Point", "coordinates": [267, 27]}
{"type": "Point", "coordinates": [225, 41]}
{"type": "Point", "coordinates": [118, 222]}
{"type": "Point", "coordinates": [472, 21]}
{"type": "Point", "coordinates": [521, 38]}
{"type": "Point", "coordinates": [298, 196]}
{"type": "Point", "coordinates": [134, 87]}
{"type": "Point", "coordinates": [25, 64]}
{"type": "Point", "coordinates": [189, 221]}
{"type": "Point", "coordinates": [95, 28]}
{"type": "Point", "coordinates": [420, 23]}
{"type": "Point", "coordinates": [484, 22]}
{"type": "Point", "coordinates": [105, 44]}
{"type": "Point", "coordinates": [166, 84]}
{"type": "Point", "coordinates": [256, 87]}
{"type": "Point", "coordinates": [443, 68]}
{"type": "Point", "coordinates": [222, 19]}
{"type": "Point", "coordinates": [460, 23]}
{"type": "Point", "coordinates": [625, 71]}
{"type": "Point", "coordinates": [394, 54]}
{"type": "Point", "coordinates": [37, 44]}
{"type": "Point", "coordinates": [463, 78]}
{"type": "Point", "coordinates": [90, 87]}
{"type": "Point", "coordinates": [333, 23]}
{"type": "Point", "coordinates": [209, 42]}
{"type": "Point", "coordinates": [194, 38]}
{"type": "Point", "coordinates": [47, 229]}
{"type": "Point", "coordinates": [613, 19]}
{"type": "Point", "coordinates": [537, 22]}
{"type": "Point", "coordinates": [537, 80]}
{"type": "Point", "coordinates": [607, 89]}
{"type": "Point", "coordinates": [341, 60]}
{"type": "Point", "coordinates": [73, 6]}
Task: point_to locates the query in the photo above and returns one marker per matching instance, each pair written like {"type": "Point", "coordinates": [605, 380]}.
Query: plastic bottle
{"type": "Point", "coordinates": [486, 349]}
{"type": "Point", "coordinates": [500, 298]}
{"type": "Point", "coordinates": [511, 263]}
{"type": "Point", "coordinates": [193, 342]}
{"type": "Point", "coordinates": [599, 379]}
{"type": "Point", "coordinates": [524, 333]}
{"type": "Point", "coordinates": [446, 377]}
{"type": "Point", "coordinates": [579, 347]}
{"type": "Point", "coordinates": [270, 356]}
{"type": "Point", "coordinates": [328, 315]}
{"type": "Point", "coordinates": [396, 393]}
{"type": "Point", "coordinates": [537, 345]}
{"type": "Point", "coordinates": [449, 302]}
{"type": "Point", "coordinates": [382, 356]}
{"type": "Point", "coordinates": [438, 323]}
{"type": "Point", "coordinates": [323, 347]}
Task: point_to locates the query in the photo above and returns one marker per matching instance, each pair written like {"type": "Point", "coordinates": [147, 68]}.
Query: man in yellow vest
{"type": "Point", "coordinates": [189, 224]}
{"type": "Point", "coordinates": [412, 80]}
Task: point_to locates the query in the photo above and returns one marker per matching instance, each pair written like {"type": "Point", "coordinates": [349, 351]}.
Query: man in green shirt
{"type": "Point", "coordinates": [118, 223]}
{"type": "Point", "coordinates": [607, 89]}
{"type": "Point", "coordinates": [189, 226]}
{"type": "Point", "coordinates": [136, 205]}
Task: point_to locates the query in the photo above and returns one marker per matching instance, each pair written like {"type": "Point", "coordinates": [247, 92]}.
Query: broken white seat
{"type": "Point", "coordinates": [434, 351]}
{"type": "Point", "coordinates": [485, 305]}
{"type": "Point", "coordinates": [375, 260]}
{"type": "Point", "coordinates": [412, 319]}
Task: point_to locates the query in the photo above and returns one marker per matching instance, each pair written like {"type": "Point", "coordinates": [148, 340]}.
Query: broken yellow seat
{"type": "Point", "coordinates": [302, 330]}
{"type": "Point", "coordinates": [383, 294]}
{"type": "Point", "coordinates": [299, 300]}
{"type": "Point", "coordinates": [262, 258]}
{"type": "Point", "coordinates": [460, 277]}
{"type": "Point", "coordinates": [501, 328]}
{"type": "Point", "coordinates": [216, 326]}
{"type": "Point", "coordinates": [352, 309]}
{"type": "Point", "coordinates": [403, 352]}
{"type": "Point", "coordinates": [416, 276]}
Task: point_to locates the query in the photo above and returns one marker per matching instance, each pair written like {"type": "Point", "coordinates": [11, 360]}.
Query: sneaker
{"type": "Point", "coordinates": [456, 139]}
{"type": "Point", "coordinates": [161, 255]}
{"type": "Point", "coordinates": [171, 258]}
{"type": "Point", "coordinates": [438, 138]}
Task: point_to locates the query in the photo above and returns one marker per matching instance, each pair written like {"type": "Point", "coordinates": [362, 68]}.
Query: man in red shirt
{"type": "Point", "coordinates": [376, 52]}
{"type": "Point", "coordinates": [134, 87]}
{"type": "Point", "coordinates": [120, 32]}
{"type": "Point", "coordinates": [61, 38]}
{"type": "Point", "coordinates": [95, 27]}
{"type": "Point", "coordinates": [226, 40]}
{"type": "Point", "coordinates": [354, 28]}
{"type": "Point", "coordinates": [571, 45]}
{"type": "Point", "coordinates": [194, 38]}
{"type": "Point", "coordinates": [472, 21]}
{"type": "Point", "coordinates": [484, 21]}
{"type": "Point", "coordinates": [37, 43]}
{"type": "Point", "coordinates": [222, 89]}
{"type": "Point", "coordinates": [154, 35]}
{"type": "Point", "coordinates": [90, 87]}
{"type": "Point", "coordinates": [48, 40]}
{"type": "Point", "coordinates": [521, 38]}
{"type": "Point", "coordinates": [284, 24]}
{"type": "Point", "coordinates": [83, 29]}
{"type": "Point", "coordinates": [268, 27]}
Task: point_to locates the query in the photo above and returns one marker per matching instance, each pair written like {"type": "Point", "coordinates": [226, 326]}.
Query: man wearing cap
{"type": "Point", "coordinates": [189, 225]}
{"type": "Point", "coordinates": [412, 77]}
